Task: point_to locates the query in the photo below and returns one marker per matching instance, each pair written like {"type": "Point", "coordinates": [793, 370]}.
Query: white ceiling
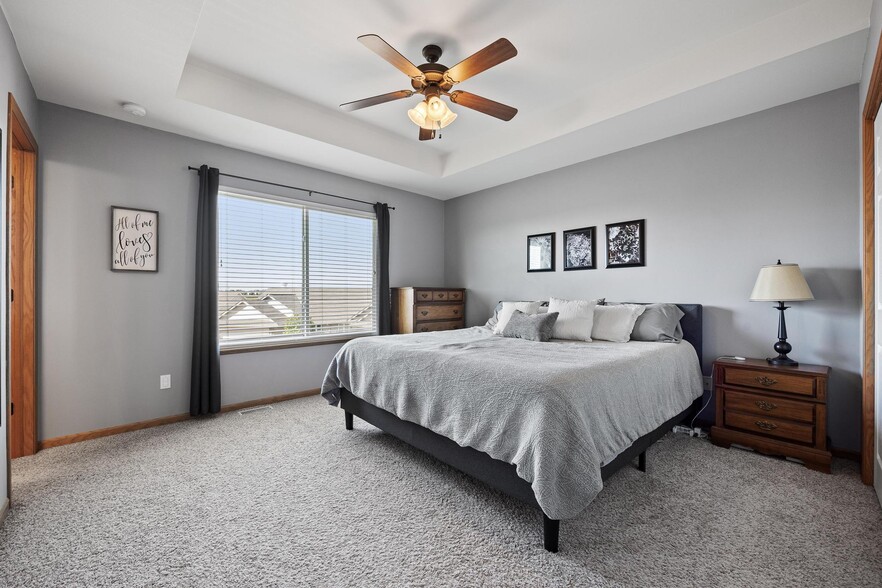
{"type": "Point", "coordinates": [590, 77]}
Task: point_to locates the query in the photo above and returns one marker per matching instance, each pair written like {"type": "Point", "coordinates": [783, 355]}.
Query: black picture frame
{"type": "Point", "coordinates": [116, 264]}
{"type": "Point", "coordinates": [573, 241]}
{"type": "Point", "coordinates": [535, 240]}
{"type": "Point", "coordinates": [626, 244]}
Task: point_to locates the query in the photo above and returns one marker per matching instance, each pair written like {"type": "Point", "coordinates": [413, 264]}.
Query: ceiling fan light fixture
{"type": "Point", "coordinates": [437, 110]}
{"type": "Point", "coordinates": [417, 115]}
{"type": "Point", "coordinates": [448, 118]}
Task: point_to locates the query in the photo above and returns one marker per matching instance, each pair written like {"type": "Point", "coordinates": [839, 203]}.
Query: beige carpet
{"type": "Point", "coordinates": [289, 498]}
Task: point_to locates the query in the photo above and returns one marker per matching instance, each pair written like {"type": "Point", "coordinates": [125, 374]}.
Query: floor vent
{"type": "Point", "coordinates": [256, 408]}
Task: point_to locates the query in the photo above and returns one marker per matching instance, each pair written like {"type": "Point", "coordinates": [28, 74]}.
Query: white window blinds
{"type": "Point", "coordinates": [291, 270]}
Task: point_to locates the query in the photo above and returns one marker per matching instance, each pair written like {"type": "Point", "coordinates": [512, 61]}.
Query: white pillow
{"type": "Point", "coordinates": [615, 323]}
{"type": "Point", "coordinates": [575, 318]}
{"type": "Point", "coordinates": [508, 309]}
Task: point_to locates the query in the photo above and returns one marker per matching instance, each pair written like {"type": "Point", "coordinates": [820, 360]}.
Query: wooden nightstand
{"type": "Point", "coordinates": [775, 410]}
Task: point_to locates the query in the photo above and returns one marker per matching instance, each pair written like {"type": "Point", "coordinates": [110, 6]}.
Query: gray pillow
{"type": "Point", "coordinates": [659, 322]}
{"type": "Point", "coordinates": [533, 327]}
{"type": "Point", "coordinates": [494, 320]}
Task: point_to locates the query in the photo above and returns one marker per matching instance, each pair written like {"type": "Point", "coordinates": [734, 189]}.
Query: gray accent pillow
{"type": "Point", "coordinates": [494, 320]}
{"type": "Point", "coordinates": [533, 327]}
{"type": "Point", "coordinates": [659, 322]}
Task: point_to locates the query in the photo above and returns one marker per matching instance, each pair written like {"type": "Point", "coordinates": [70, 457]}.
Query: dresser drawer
{"type": "Point", "coordinates": [440, 295]}
{"type": "Point", "coordinates": [422, 295]}
{"type": "Point", "coordinates": [793, 410]}
{"type": "Point", "coordinates": [438, 326]}
{"type": "Point", "coordinates": [455, 296]}
{"type": "Point", "coordinates": [780, 382]}
{"type": "Point", "coordinates": [771, 427]}
{"type": "Point", "coordinates": [428, 312]}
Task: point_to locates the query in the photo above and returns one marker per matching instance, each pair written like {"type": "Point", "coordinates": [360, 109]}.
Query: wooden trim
{"type": "Point", "coordinates": [871, 108]}
{"type": "Point", "coordinates": [4, 510]}
{"type": "Point", "coordinates": [21, 130]}
{"type": "Point", "coordinates": [175, 418]}
{"type": "Point", "coordinates": [848, 454]}
{"type": "Point", "coordinates": [288, 345]}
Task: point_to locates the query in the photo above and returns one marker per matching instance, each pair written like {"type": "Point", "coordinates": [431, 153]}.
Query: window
{"type": "Point", "coordinates": [291, 271]}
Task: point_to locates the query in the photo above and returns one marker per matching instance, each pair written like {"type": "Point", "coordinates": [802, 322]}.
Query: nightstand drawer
{"type": "Point", "coordinates": [793, 410]}
{"type": "Point", "coordinates": [425, 312]}
{"type": "Point", "coordinates": [771, 427]}
{"type": "Point", "coordinates": [438, 326]}
{"type": "Point", "coordinates": [779, 382]}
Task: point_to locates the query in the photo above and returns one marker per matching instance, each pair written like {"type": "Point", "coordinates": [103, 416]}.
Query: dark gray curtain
{"type": "Point", "coordinates": [384, 319]}
{"type": "Point", "coordinates": [205, 384]}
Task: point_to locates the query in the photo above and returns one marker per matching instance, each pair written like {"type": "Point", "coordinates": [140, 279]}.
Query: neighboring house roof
{"type": "Point", "coordinates": [273, 308]}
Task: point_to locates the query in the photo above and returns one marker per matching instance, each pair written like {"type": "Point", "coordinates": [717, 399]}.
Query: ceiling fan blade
{"type": "Point", "coordinates": [376, 44]}
{"type": "Point", "coordinates": [374, 100]}
{"type": "Point", "coordinates": [485, 105]}
{"type": "Point", "coordinates": [493, 54]}
{"type": "Point", "coordinates": [426, 134]}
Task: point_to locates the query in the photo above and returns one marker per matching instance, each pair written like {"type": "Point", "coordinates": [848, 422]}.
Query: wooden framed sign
{"type": "Point", "coordinates": [134, 240]}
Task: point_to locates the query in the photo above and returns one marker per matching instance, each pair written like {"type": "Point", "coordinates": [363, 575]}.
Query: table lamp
{"type": "Point", "coordinates": [782, 282]}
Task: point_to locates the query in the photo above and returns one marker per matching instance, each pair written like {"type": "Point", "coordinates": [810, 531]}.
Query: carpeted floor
{"type": "Point", "coordinates": [287, 497]}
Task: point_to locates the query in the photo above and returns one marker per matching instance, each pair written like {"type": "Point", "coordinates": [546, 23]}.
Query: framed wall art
{"type": "Point", "coordinates": [540, 252]}
{"type": "Point", "coordinates": [134, 243]}
{"type": "Point", "coordinates": [579, 249]}
{"type": "Point", "coordinates": [626, 244]}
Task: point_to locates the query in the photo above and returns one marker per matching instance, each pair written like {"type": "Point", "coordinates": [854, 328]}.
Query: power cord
{"type": "Point", "coordinates": [692, 430]}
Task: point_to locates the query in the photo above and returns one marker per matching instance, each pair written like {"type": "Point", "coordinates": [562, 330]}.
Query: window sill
{"type": "Point", "coordinates": [243, 347]}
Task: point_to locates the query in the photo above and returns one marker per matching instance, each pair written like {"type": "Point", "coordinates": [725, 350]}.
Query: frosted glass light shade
{"type": "Point", "coordinates": [448, 118]}
{"type": "Point", "coordinates": [782, 282]}
{"type": "Point", "coordinates": [436, 109]}
{"type": "Point", "coordinates": [417, 115]}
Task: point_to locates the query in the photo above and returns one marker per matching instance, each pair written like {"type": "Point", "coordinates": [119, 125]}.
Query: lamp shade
{"type": "Point", "coordinates": [782, 282]}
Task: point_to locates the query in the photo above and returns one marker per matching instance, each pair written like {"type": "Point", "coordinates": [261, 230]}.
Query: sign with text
{"type": "Point", "coordinates": [135, 241]}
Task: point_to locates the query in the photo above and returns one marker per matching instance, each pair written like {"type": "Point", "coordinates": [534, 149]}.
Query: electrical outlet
{"type": "Point", "coordinates": [165, 382]}
{"type": "Point", "coordinates": [708, 383]}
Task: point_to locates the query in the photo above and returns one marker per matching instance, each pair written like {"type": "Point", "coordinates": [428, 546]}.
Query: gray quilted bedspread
{"type": "Point", "coordinates": [558, 410]}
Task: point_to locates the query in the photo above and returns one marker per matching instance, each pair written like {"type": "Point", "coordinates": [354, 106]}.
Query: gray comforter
{"type": "Point", "coordinates": [558, 411]}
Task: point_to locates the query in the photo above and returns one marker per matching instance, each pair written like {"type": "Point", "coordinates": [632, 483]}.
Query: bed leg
{"type": "Point", "coordinates": [551, 530]}
{"type": "Point", "coordinates": [348, 421]}
{"type": "Point", "coordinates": [641, 462]}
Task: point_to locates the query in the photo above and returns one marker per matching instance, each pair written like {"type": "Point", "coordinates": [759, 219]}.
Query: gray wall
{"type": "Point", "coordinates": [13, 78]}
{"type": "Point", "coordinates": [719, 202]}
{"type": "Point", "coordinates": [104, 337]}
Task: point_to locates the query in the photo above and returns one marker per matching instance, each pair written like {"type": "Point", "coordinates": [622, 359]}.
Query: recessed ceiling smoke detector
{"type": "Point", "coordinates": [135, 109]}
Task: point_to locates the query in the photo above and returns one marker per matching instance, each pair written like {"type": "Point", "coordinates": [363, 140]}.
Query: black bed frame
{"type": "Point", "coordinates": [499, 474]}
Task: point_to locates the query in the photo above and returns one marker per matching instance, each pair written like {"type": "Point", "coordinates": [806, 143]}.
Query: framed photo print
{"type": "Point", "coordinates": [578, 245]}
{"type": "Point", "coordinates": [626, 244]}
{"type": "Point", "coordinates": [134, 244]}
{"type": "Point", "coordinates": [540, 253]}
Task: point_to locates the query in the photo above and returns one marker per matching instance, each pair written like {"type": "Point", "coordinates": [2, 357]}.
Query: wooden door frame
{"type": "Point", "coordinates": [868, 120]}
{"type": "Point", "coordinates": [18, 136]}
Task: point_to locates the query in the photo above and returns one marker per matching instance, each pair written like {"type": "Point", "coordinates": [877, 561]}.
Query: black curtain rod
{"type": "Point", "coordinates": [196, 169]}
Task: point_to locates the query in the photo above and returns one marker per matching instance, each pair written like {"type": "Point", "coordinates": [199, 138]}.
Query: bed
{"type": "Point", "coordinates": [545, 423]}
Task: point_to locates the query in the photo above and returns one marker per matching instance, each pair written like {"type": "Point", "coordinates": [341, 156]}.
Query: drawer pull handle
{"type": "Point", "coordinates": [766, 425]}
{"type": "Point", "coordinates": [424, 329]}
{"type": "Point", "coordinates": [766, 405]}
{"type": "Point", "coordinates": [455, 311]}
{"type": "Point", "coordinates": [766, 381]}
{"type": "Point", "coordinates": [424, 295]}
{"type": "Point", "coordinates": [440, 295]}
{"type": "Point", "coordinates": [424, 312]}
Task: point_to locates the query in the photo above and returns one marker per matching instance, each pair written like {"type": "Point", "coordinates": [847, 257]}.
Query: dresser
{"type": "Point", "coordinates": [420, 310]}
{"type": "Point", "coordinates": [775, 410]}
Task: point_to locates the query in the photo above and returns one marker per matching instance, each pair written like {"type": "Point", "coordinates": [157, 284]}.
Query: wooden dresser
{"type": "Point", "coordinates": [420, 310]}
{"type": "Point", "coordinates": [775, 410]}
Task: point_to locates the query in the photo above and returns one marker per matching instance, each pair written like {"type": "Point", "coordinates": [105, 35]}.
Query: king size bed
{"type": "Point", "coordinates": [545, 423]}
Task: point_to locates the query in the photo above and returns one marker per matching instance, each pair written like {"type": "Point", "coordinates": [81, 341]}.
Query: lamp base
{"type": "Point", "coordinates": [782, 360]}
{"type": "Point", "coordinates": [783, 348]}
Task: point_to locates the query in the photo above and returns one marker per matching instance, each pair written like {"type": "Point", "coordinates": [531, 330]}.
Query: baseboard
{"type": "Point", "coordinates": [846, 454]}
{"type": "Point", "coordinates": [175, 418]}
{"type": "Point", "coordinates": [4, 511]}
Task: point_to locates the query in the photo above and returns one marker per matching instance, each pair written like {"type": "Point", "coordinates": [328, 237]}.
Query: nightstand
{"type": "Point", "coordinates": [776, 410]}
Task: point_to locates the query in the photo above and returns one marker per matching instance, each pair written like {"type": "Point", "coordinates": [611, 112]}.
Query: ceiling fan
{"type": "Point", "coordinates": [434, 80]}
